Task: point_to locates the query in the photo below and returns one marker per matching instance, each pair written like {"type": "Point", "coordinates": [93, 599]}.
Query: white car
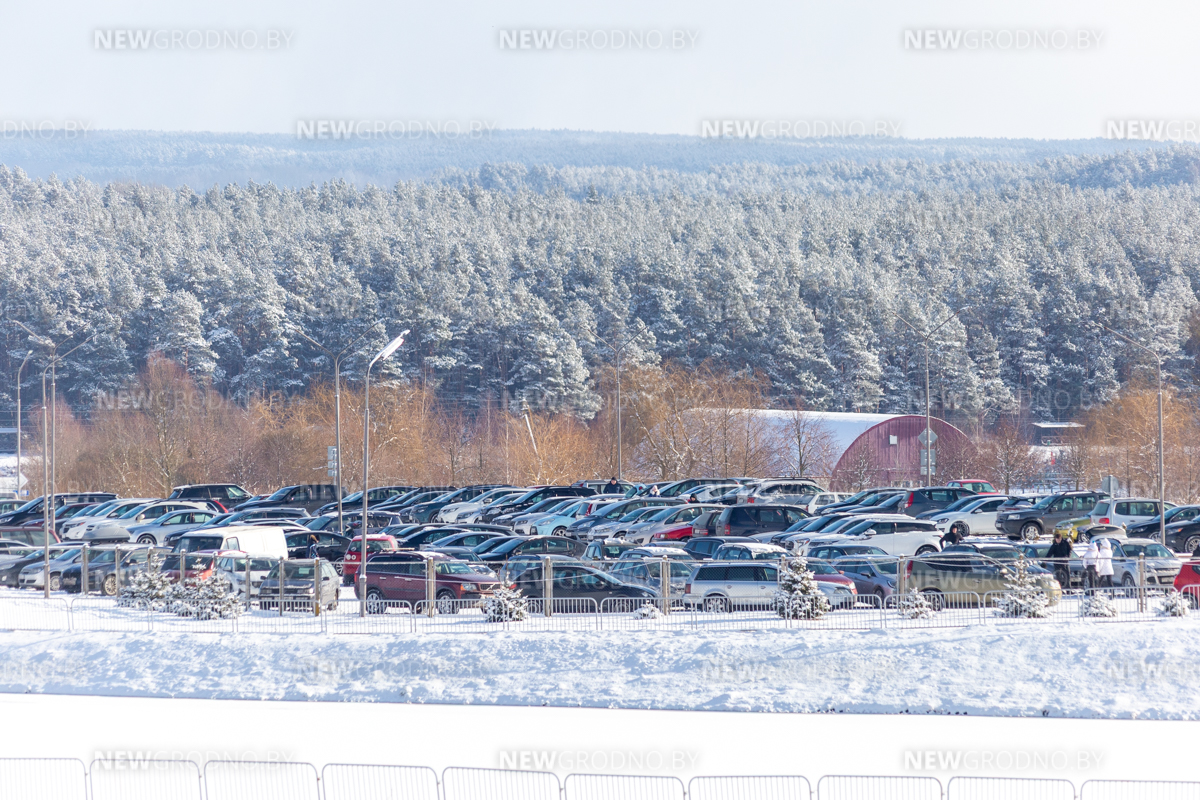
{"type": "Point", "coordinates": [1122, 512]}
{"type": "Point", "coordinates": [232, 564]}
{"type": "Point", "coordinates": [811, 502]}
{"type": "Point", "coordinates": [471, 512]}
{"type": "Point", "coordinates": [450, 512]}
{"type": "Point", "coordinates": [76, 525]}
{"type": "Point", "coordinates": [147, 512]}
{"type": "Point", "coordinates": [896, 534]}
{"type": "Point", "coordinates": [977, 517]}
{"type": "Point", "coordinates": [780, 492]}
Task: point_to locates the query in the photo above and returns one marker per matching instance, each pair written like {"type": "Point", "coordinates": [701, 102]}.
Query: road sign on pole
{"type": "Point", "coordinates": [926, 440]}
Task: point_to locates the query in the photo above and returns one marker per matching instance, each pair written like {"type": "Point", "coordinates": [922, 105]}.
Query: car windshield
{"type": "Point", "coordinates": [1044, 503]}
{"type": "Point", "coordinates": [66, 555]}
{"type": "Point", "coordinates": [886, 567]}
{"type": "Point", "coordinates": [293, 571]}
{"type": "Point", "coordinates": [1001, 553]}
{"type": "Point", "coordinates": [679, 569]}
{"type": "Point", "coordinates": [453, 568]}
{"type": "Point", "coordinates": [820, 567]}
{"type": "Point", "coordinates": [858, 527]}
{"type": "Point", "coordinates": [633, 515]}
{"type": "Point", "coordinates": [612, 550]}
{"type": "Point", "coordinates": [193, 562]}
{"type": "Point", "coordinates": [961, 503]}
{"type": "Point", "coordinates": [32, 504]}
{"type": "Point", "coordinates": [490, 545]}
{"type": "Point", "coordinates": [133, 512]}
{"type": "Point", "coordinates": [190, 544]}
{"type": "Point", "coordinates": [1148, 550]}
{"type": "Point", "coordinates": [280, 493]}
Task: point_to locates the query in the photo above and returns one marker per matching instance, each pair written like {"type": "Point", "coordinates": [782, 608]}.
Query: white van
{"type": "Point", "coordinates": [266, 541]}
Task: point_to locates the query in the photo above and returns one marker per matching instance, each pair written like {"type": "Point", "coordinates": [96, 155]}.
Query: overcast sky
{"type": "Point", "coordinates": [802, 63]}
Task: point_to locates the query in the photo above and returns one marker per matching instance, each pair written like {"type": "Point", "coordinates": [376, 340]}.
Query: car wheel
{"type": "Point", "coordinates": [717, 604]}
{"type": "Point", "coordinates": [376, 604]}
{"type": "Point", "coordinates": [1192, 600]}
{"type": "Point", "coordinates": [147, 538]}
{"type": "Point", "coordinates": [55, 583]}
{"type": "Point", "coordinates": [1191, 544]}
{"type": "Point", "coordinates": [559, 531]}
{"type": "Point", "coordinates": [935, 598]}
{"type": "Point", "coordinates": [1083, 537]}
{"type": "Point", "coordinates": [926, 550]}
{"type": "Point", "coordinates": [1030, 531]}
{"type": "Point", "coordinates": [445, 602]}
{"type": "Point", "coordinates": [881, 595]}
{"type": "Point", "coordinates": [109, 587]}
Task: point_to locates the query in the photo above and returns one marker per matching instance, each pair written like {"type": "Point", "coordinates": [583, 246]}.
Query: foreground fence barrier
{"type": "Point", "coordinates": [130, 778]}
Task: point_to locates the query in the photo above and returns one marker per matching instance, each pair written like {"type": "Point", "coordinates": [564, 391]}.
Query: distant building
{"type": "Point", "coordinates": [1051, 434]}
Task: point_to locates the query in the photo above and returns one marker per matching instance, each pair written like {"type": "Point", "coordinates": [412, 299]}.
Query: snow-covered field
{"type": "Point", "coordinates": [1079, 669]}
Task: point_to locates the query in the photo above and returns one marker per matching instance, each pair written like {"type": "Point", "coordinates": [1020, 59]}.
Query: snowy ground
{"type": "Point", "coordinates": [1079, 669]}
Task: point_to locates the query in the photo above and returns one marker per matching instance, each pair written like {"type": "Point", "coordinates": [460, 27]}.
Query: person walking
{"type": "Point", "coordinates": [1104, 567]}
{"type": "Point", "coordinates": [1060, 551]}
{"type": "Point", "coordinates": [1090, 578]}
{"type": "Point", "coordinates": [612, 487]}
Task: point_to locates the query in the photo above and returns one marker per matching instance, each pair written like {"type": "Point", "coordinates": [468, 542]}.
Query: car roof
{"type": "Point", "coordinates": [760, 547]}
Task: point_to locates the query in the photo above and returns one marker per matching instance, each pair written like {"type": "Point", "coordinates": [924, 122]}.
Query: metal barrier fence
{"type": "Point", "coordinates": [128, 777]}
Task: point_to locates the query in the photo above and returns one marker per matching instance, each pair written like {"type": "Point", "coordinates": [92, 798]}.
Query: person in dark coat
{"type": "Point", "coordinates": [952, 537]}
{"type": "Point", "coordinates": [1061, 549]}
{"type": "Point", "coordinates": [612, 487]}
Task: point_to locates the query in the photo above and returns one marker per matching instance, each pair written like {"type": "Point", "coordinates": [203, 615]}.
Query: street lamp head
{"type": "Point", "coordinates": [392, 347]}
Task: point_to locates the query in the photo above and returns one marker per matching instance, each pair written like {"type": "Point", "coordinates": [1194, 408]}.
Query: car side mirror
{"type": "Point", "coordinates": [869, 532]}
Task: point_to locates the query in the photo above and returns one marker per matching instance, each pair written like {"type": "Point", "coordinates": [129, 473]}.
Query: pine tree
{"type": "Point", "coordinates": [1097, 604]}
{"type": "Point", "coordinates": [1174, 605]}
{"type": "Point", "coordinates": [798, 596]}
{"type": "Point", "coordinates": [146, 589]}
{"type": "Point", "coordinates": [914, 605]}
{"type": "Point", "coordinates": [1025, 596]}
{"type": "Point", "coordinates": [647, 611]}
{"type": "Point", "coordinates": [505, 605]}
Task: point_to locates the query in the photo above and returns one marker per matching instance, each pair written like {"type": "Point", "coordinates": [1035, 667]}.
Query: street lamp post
{"type": "Point", "coordinates": [1162, 483]}
{"type": "Point", "coordinates": [28, 355]}
{"type": "Point", "coordinates": [392, 347]}
{"type": "Point", "coordinates": [337, 413]}
{"type": "Point", "coordinates": [926, 336]}
{"type": "Point", "coordinates": [48, 473]}
{"type": "Point", "coordinates": [617, 350]}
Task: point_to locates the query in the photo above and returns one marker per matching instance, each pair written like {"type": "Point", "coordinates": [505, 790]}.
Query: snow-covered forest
{"type": "Point", "coordinates": [510, 276]}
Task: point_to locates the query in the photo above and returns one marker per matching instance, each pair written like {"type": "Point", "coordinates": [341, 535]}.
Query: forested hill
{"type": "Point", "coordinates": [507, 273]}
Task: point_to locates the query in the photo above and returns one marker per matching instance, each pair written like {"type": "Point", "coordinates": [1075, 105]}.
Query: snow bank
{"type": "Point", "coordinates": [1082, 669]}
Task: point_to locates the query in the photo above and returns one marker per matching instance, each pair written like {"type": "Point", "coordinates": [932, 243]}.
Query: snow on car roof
{"type": "Point", "coordinates": [758, 547]}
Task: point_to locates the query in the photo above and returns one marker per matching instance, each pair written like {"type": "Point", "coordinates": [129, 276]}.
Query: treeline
{"type": "Point", "coordinates": [514, 288]}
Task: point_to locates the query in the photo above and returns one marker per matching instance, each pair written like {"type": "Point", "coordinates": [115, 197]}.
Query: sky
{"type": "Point", "coordinates": [1039, 69]}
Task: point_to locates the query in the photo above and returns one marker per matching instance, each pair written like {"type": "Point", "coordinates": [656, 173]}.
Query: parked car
{"type": "Point", "coordinates": [11, 566]}
{"type": "Point", "coordinates": [472, 513]}
{"type": "Point", "coordinates": [451, 511]}
{"type": "Point", "coordinates": [1161, 564]}
{"type": "Point", "coordinates": [704, 547]}
{"type": "Point", "coordinates": [249, 515]}
{"type": "Point", "coordinates": [787, 491]}
{"type": "Point", "coordinates": [647, 572]}
{"type": "Point", "coordinates": [533, 496]}
{"type": "Point", "coordinates": [683, 488]}
{"type": "Point", "coordinates": [580, 582]}
{"type": "Point", "coordinates": [613, 512]}
{"type": "Point", "coordinates": [968, 577]}
{"type": "Point", "coordinates": [32, 510]}
{"type": "Point", "coordinates": [376, 543]}
{"type": "Point", "coordinates": [227, 494]}
{"type": "Point", "coordinates": [143, 514]}
{"type": "Point", "coordinates": [617, 528]}
{"type": "Point", "coordinates": [429, 510]}
{"type": "Point", "coordinates": [33, 575]}
{"type": "Point", "coordinates": [263, 540]}
{"type": "Point", "coordinates": [1187, 581]}
{"type": "Point", "coordinates": [317, 544]}
{"type": "Point", "coordinates": [871, 576]}
{"type": "Point", "coordinates": [232, 565]}
{"type": "Point", "coordinates": [1182, 537]}
{"type": "Point", "coordinates": [532, 545]}
{"type": "Point", "coordinates": [756, 551]}
{"type": "Point", "coordinates": [976, 485]}
{"type": "Point", "coordinates": [1032, 522]}
{"type": "Point", "coordinates": [895, 534]}
{"type": "Point", "coordinates": [1074, 530]}
{"type": "Point", "coordinates": [1125, 511]}
{"type": "Point", "coordinates": [555, 523]}
{"type": "Point", "coordinates": [156, 532]}
{"type": "Point", "coordinates": [301, 580]}
{"type": "Point", "coordinates": [376, 496]}
{"type": "Point", "coordinates": [930, 498]}
{"type": "Point", "coordinates": [1041, 550]}
{"type": "Point", "coordinates": [974, 518]}
{"type": "Point", "coordinates": [869, 498]}
{"type": "Point", "coordinates": [828, 552]}
{"type": "Point", "coordinates": [102, 570]}
{"type": "Point", "coordinates": [1149, 528]}
{"type": "Point", "coordinates": [402, 576]}
{"type": "Point", "coordinates": [673, 523]}
{"type": "Point", "coordinates": [723, 586]}
{"type": "Point", "coordinates": [111, 509]}
{"type": "Point", "coordinates": [467, 539]}
{"type": "Point", "coordinates": [418, 495]}
{"type": "Point", "coordinates": [522, 521]}
{"type": "Point", "coordinates": [602, 552]}
{"type": "Point", "coordinates": [309, 497]}
{"type": "Point", "coordinates": [744, 520]}
{"type": "Point", "coordinates": [811, 502]}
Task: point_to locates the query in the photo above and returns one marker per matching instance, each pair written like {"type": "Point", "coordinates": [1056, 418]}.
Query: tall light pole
{"type": "Point", "coordinates": [48, 475]}
{"type": "Point", "coordinates": [617, 350]}
{"type": "Point", "coordinates": [28, 355]}
{"type": "Point", "coordinates": [926, 337]}
{"type": "Point", "coordinates": [386, 352]}
{"type": "Point", "coordinates": [337, 403]}
{"type": "Point", "coordinates": [1162, 483]}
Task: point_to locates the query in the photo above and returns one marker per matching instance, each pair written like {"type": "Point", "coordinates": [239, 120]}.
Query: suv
{"type": "Point", "coordinates": [726, 586]}
{"type": "Point", "coordinates": [895, 534]}
{"type": "Point", "coordinates": [1040, 518]}
{"type": "Point", "coordinates": [402, 576]}
{"type": "Point", "coordinates": [937, 576]}
{"type": "Point", "coordinates": [976, 485]}
{"type": "Point", "coordinates": [746, 520]}
{"type": "Point", "coordinates": [1125, 511]}
{"type": "Point", "coordinates": [309, 496]}
{"type": "Point", "coordinates": [778, 492]}
{"type": "Point", "coordinates": [227, 494]}
{"type": "Point", "coordinates": [930, 498]}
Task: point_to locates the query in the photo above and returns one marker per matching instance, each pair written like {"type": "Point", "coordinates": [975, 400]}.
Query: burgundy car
{"type": "Point", "coordinates": [401, 576]}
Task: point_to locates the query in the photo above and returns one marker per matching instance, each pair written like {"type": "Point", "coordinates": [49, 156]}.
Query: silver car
{"type": "Point", "coordinates": [728, 586]}
{"type": "Point", "coordinates": [113, 509]}
{"type": "Point", "coordinates": [156, 532]}
{"type": "Point", "coordinates": [1161, 564]}
{"type": "Point", "coordinates": [33, 576]}
{"type": "Point", "coordinates": [144, 513]}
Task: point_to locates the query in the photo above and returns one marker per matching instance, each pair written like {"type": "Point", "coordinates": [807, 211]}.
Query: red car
{"type": "Point", "coordinates": [199, 565]}
{"type": "Point", "coordinates": [1188, 582]}
{"type": "Point", "coordinates": [402, 576]}
{"type": "Point", "coordinates": [376, 543]}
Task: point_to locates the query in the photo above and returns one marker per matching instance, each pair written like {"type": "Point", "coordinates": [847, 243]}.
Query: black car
{"type": "Point", "coordinates": [417, 495]}
{"type": "Point", "coordinates": [10, 567]}
{"type": "Point", "coordinates": [468, 539]}
{"type": "Point", "coordinates": [376, 496]}
{"type": "Point", "coordinates": [533, 496]}
{"type": "Point", "coordinates": [532, 545]}
{"type": "Point", "coordinates": [1182, 537]}
{"type": "Point", "coordinates": [321, 544]}
{"type": "Point", "coordinates": [745, 520]}
{"type": "Point", "coordinates": [32, 511]}
{"type": "Point", "coordinates": [425, 511]}
{"type": "Point", "coordinates": [1175, 516]}
{"type": "Point", "coordinates": [574, 581]}
{"type": "Point", "coordinates": [227, 494]}
{"type": "Point", "coordinates": [703, 547]}
{"type": "Point", "coordinates": [1040, 518]}
{"type": "Point", "coordinates": [867, 497]}
{"type": "Point", "coordinates": [309, 496]}
{"type": "Point", "coordinates": [102, 570]}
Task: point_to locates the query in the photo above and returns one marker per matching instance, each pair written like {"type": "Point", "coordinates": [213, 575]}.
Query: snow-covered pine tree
{"type": "Point", "coordinates": [647, 611]}
{"type": "Point", "coordinates": [146, 589]}
{"type": "Point", "coordinates": [915, 605]}
{"type": "Point", "coordinates": [1097, 604]}
{"type": "Point", "coordinates": [505, 605]}
{"type": "Point", "coordinates": [1025, 597]}
{"type": "Point", "coordinates": [1174, 605]}
{"type": "Point", "coordinates": [216, 599]}
{"type": "Point", "coordinates": [798, 596]}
